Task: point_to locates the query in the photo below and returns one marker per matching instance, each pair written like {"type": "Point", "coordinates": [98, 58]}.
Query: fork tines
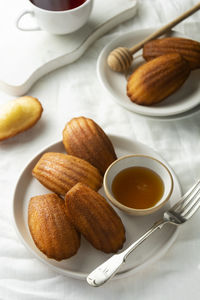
{"type": "Point", "coordinates": [189, 203]}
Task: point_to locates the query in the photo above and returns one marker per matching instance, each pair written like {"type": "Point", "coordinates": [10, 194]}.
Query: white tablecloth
{"type": "Point", "coordinates": [72, 91]}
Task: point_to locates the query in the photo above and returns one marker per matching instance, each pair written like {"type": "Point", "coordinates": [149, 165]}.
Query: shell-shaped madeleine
{"type": "Point", "coordinates": [157, 79]}
{"type": "Point", "coordinates": [95, 218]}
{"type": "Point", "coordinates": [50, 227]}
{"type": "Point", "coordinates": [19, 115]}
{"type": "Point", "coordinates": [60, 172]}
{"type": "Point", "coordinates": [189, 49]}
{"type": "Point", "coordinates": [83, 138]}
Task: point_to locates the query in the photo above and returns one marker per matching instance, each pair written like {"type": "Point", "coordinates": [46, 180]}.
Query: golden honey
{"type": "Point", "coordinates": [138, 187]}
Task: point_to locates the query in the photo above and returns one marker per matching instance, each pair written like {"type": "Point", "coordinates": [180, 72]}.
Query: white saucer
{"type": "Point", "coordinates": [186, 115]}
{"type": "Point", "coordinates": [186, 98]}
{"type": "Point", "coordinates": [88, 257]}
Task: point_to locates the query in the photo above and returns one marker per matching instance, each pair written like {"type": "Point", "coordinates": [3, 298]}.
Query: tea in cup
{"type": "Point", "coordinates": [57, 16]}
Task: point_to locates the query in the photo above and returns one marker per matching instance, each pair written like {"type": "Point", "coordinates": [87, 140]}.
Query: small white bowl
{"type": "Point", "coordinates": [138, 161]}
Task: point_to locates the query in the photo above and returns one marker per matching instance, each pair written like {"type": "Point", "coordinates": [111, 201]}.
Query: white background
{"type": "Point", "coordinates": [72, 91]}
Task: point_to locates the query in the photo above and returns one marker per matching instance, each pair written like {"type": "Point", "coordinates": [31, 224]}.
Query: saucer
{"type": "Point", "coordinates": [185, 99]}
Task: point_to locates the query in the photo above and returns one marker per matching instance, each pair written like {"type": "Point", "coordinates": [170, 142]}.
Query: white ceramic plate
{"type": "Point", "coordinates": [88, 257]}
{"type": "Point", "coordinates": [186, 115]}
{"type": "Point", "coordinates": [186, 98]}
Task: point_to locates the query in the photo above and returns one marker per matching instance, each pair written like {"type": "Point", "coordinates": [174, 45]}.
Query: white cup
{"type": "Point", "coordinates": [57, 22]}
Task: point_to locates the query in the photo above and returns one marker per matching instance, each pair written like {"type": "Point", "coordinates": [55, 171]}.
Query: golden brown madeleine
{"type": "Point", "coordinates": [189, 49]}
{"type": "Point", "coordinates": [19, 115]}
{"type": "Point", "coordinates": [157, 79]}
{"type": "Point", "coordinates": [50, 227]}
{"type": "Point", "coordinates": [95, 218]}
{"type": "Point", "coordinates": [60, 172]}
{"type": "Point", "coordinates": [83, 138]}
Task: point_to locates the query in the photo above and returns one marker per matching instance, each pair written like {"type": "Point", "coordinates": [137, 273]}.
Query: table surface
{"type": "Point", "coordinates": [74, 90]}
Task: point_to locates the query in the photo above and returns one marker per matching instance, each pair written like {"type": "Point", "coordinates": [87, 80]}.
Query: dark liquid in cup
{"type": "Point", "coordinates": [57, 5]}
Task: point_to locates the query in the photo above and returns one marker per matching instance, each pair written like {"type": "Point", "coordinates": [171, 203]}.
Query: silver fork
{"type": "Point", "coordinates": [181, 212]}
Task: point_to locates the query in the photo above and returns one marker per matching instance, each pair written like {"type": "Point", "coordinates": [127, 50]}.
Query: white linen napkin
{"type": "Point", "coordinates": [75, 90]}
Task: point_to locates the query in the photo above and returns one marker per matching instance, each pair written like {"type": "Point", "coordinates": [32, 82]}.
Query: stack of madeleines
{"type": "Point", "coordinates": [169, 63]}
{"type": "Point", "coordinates": [55, 224]}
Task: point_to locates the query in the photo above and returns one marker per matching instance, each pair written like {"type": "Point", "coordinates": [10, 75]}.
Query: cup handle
{"type": "Point", "coordinates": [26, 12]}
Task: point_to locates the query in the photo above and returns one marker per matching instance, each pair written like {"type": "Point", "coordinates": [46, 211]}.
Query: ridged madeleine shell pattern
{"type": "Point", "coordinates": [189, 49]}
{"type": "Point", "coordinates": [157, 79]}
{"type": "Point", "coordinates": [82, 137]}
{"type": "Point", "coordinates": [95, 218]}
{"type": "Point", "coordinates": [50, 227]}
{"type": "Point", "coordinates": [60, 172]}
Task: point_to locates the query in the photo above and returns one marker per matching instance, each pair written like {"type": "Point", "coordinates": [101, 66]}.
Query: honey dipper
{"type": "Point", "coordinates": [120, 59]}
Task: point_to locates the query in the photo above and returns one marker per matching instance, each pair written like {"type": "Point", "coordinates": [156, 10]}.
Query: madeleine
{"type": "Point", "coordinates": [189, 49]}
{"type": "Point", "coordinates": [60, 172]}
{"type": "Point", "coordinates": [93, 217]}
{"type": "Point", "coordinates": [83, 138]}
{"type": "Point", "coordinates": [157, 79]}
{"type": "Point", "coordinates": [51, 228]}
{"type": "Point", "coordinates": [19, 115]}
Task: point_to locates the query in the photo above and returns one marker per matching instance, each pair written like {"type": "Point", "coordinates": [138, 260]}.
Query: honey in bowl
{"type": "Point", "coordinates": [138, 187]}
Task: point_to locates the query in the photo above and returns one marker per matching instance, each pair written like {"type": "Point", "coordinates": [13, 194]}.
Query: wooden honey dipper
{"type": "Point", "coordinates": [120, 59]}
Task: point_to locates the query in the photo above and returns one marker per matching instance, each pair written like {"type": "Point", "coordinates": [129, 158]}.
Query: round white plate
{"type": "Point", "coordinates": [186, 115]}
{"type": "Point", "coordinates": [88, 257]}
{"type": "Point", "coordinates": [186, 98]}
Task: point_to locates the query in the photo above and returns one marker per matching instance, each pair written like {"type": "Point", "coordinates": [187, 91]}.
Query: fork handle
{"type": "Point", "coordinates": [107, 270]}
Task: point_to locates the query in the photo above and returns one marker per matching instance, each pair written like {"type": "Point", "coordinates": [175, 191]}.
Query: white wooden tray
{"type": "Point", "coordinates": [27, 56]}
